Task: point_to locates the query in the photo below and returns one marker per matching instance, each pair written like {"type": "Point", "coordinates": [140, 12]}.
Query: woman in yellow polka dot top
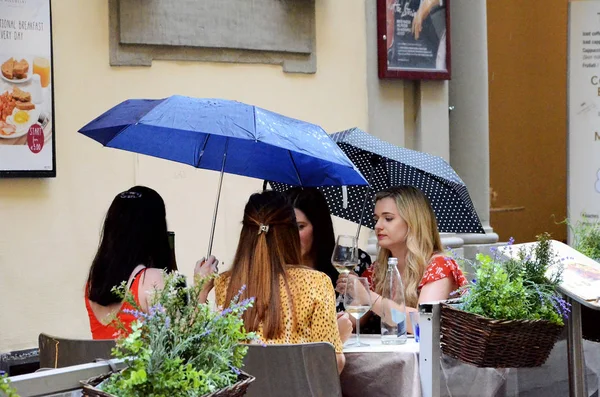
{"type": "Point", "coordinates": [293, 303]}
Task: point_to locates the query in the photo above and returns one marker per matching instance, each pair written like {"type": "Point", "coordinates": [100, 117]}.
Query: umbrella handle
{"type": "Point", "coordinates": [214, 220]}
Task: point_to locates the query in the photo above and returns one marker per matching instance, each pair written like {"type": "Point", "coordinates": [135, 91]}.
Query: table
{"type": "Point", "coordinates": [394, 370]}
{"type": "Point", "coordinates": [381, 370]}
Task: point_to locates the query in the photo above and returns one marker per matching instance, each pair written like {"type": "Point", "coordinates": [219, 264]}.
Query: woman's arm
{"type": "Point", "coordinates": [437, 290]}
{"type": "Point", "coordinates": [341, 361]}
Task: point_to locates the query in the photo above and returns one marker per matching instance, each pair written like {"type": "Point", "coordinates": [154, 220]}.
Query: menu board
{"type": "Point", "coordinates": [580, 274]}
{"type": "Point", "coordinates": [583, 182]}
{"type": "Point", "coordinates": [27, 144]}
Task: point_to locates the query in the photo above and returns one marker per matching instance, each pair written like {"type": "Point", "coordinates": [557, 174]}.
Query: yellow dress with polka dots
{"type": "Point", "coordinates": [314, 302]}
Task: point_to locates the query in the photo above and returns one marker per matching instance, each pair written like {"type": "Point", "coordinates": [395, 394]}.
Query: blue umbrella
{"type": "Point", "coordinates": [202, 132]}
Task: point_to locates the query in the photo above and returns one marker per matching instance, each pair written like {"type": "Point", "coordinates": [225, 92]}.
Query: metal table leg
{"type": "Point", "coordinates": [577, 384]}
{"type": "Point", "coordinates": [429, 349]}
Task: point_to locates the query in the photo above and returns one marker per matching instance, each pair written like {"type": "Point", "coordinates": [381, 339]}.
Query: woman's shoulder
{"type": "Point", "coordinates": [442, 260]}
{"type": "Point", "coordinates": [305, 271]}
{"type": "Point", "coordinates": [150, 276]}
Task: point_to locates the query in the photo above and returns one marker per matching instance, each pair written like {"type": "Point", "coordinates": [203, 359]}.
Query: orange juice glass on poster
{"type": "Point", "coordinates": [41, 66]}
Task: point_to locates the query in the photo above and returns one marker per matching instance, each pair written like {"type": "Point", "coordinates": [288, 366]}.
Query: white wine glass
{"type": "Point", "coordinates": [357, 301]}
{"type": "Point", "coordinates": [345, 254]}
{"type": "Point", "coordinates": [344, 257]}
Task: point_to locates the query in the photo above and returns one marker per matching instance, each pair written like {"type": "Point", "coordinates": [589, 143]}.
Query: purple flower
{"type": "Point", "coordinates": [167, 322]}
{"type": "Point", "coordinates": [511, 241]}
{"type": "Point", "coordinates": [136, 313]}
{"type": "Point", "coordinates": [226, 311]}
{"type": "Point", "coordinates": [234, 369]}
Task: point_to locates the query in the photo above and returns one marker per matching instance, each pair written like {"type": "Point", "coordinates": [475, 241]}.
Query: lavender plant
{"type": "Point", "coordinates": [518, 288]}
{"type": "Point", "coordinates": [180, 347]}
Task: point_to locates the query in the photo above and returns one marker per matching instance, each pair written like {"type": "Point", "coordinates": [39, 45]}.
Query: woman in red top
{"type": "Point", "coordinates": [407, 229]}
{"type": "Point", "coordinates": [134, 247]}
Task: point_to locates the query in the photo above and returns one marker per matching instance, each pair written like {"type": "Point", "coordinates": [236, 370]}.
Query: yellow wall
{"type": "Point", "coordinates": [527, 49]}
{"type": "Point", "coordinates": [50, 228]}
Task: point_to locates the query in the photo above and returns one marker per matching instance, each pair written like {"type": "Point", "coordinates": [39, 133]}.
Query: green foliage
{"type": "Point", "coordinates": [518, 288]}
{"type": "Point", "coordinates": [587, 238]}
{"type": "Point", "coordinates": [5, 388]}
{"type": "Point", "coordinates": [181, 347]}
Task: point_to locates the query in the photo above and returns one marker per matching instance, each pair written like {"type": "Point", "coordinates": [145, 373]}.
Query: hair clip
{"type": "Point", "coordinates": [130, 195]}
{"type": "Point", "coordinates": [263, 228]}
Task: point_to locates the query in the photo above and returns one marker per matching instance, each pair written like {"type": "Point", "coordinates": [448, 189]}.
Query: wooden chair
{"type": "Point", "coordinates": [300, 370]}
{"type": "Point", "coordinates": [58, 352]}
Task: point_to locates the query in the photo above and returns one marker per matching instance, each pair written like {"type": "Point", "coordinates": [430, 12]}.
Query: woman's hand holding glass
{"type": "Point", "coordinates": [205, 268]}
{"type": "Point", "coordinates": [344, 280]}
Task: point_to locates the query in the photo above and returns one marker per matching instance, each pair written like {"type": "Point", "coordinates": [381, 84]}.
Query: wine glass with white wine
{"type": "Point", "coordinates": [357, 301]}
{"type": "Point", "coordinates": [345, 254]}
{"type": "Point", "coordinates": [344, 257]}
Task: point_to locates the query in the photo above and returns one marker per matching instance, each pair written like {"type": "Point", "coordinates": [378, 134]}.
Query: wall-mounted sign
{"type": "Point", "coordinates": [27, 144]}
{"type": "Point", "coordinates": [413, 39]}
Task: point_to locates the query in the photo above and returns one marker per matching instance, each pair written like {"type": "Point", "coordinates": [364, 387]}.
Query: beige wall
{"type": "Point", "coordinates": [49, 228]}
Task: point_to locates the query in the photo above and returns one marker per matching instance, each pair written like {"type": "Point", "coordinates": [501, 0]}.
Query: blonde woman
{"type": "Point", "coordinates": [406, 229]}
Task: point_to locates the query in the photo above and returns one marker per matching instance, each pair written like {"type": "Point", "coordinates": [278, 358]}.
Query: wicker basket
{"type": "Point", "coordinates": [238, 389]}
{"type": "Point", "coordinates": [483, 342]}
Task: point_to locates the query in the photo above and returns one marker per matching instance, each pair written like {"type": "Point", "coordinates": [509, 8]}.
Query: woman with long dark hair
{"type": "Point", "coordinates": [317, 237]}
{"type": "Point", "coordinates": [134, 247]}
{"type": "Point", "coordinates": [293, 303]}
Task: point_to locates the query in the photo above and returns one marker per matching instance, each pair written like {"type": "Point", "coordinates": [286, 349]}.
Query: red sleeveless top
{"type": "Point", "coordinates": [110, 331]}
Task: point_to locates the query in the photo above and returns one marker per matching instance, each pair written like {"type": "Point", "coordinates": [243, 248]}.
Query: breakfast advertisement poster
{"type": "Point", "coordinates": [583, 170]}
{"type": "Point", "coordinates": [27, 145]}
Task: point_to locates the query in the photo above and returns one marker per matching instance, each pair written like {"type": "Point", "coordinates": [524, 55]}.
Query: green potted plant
{"type": "Point", "coordinates": [180, 348]}
{"type": "Point", "coordinates": [511, 314]}
{"type": "Point", "coordinates": [586, 238]}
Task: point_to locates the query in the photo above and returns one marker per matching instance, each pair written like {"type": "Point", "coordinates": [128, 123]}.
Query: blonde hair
{"type": "Point", "coordinates": [422, 239]}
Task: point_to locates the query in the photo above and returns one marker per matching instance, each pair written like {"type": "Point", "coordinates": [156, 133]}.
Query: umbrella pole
{"type": "Point", "coordinates": [362, 212]}
{"type": "Point", "coordinates": [214, 220]}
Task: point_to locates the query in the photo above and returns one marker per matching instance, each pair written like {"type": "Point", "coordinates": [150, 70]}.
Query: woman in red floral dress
{"type": "Point", "coordinates": [407, 229]}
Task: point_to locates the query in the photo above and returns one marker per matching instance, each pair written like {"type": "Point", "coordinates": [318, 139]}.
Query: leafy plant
{"type": "Point", "coordinates": [587, 237]}
{"type": "Point", "coordinates": [518, 288]}
{"type": "Point", "coordinates": [181, 347]}
{"type": "Point", "coordinates": [5, 388]}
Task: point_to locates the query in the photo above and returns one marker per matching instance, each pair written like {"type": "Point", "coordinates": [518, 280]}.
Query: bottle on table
{"type": "Point", "coordinates": [393, 318]}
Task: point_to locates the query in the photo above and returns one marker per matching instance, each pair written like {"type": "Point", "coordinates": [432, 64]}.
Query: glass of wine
{"type": "Point", "coordinates": [344, 259]}
{"type": "Point", "coordinates": [345, 254]}
{"type": "Point", "coordinates": [357, 301]}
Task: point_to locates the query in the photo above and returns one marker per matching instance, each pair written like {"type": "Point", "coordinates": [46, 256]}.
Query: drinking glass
{"type": "Point", "coordinates": [344, 258]}
{"type": "Point", "coordinates": [345, 254]}
{"type": "Point", "coordinates": [357, 301]}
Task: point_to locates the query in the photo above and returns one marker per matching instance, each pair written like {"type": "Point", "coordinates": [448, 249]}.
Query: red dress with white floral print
{"type": "Point", "coordinates": [441, 267]}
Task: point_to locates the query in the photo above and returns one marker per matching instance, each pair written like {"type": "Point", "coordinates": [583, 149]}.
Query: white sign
{"type": "Point", "coordinates": [584, 111]}
{"type": "Point", "coordinates": [26, 89]}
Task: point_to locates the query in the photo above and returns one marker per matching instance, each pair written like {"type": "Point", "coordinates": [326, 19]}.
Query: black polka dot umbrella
{"type": "Point", "coordinates": [385, 165]}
